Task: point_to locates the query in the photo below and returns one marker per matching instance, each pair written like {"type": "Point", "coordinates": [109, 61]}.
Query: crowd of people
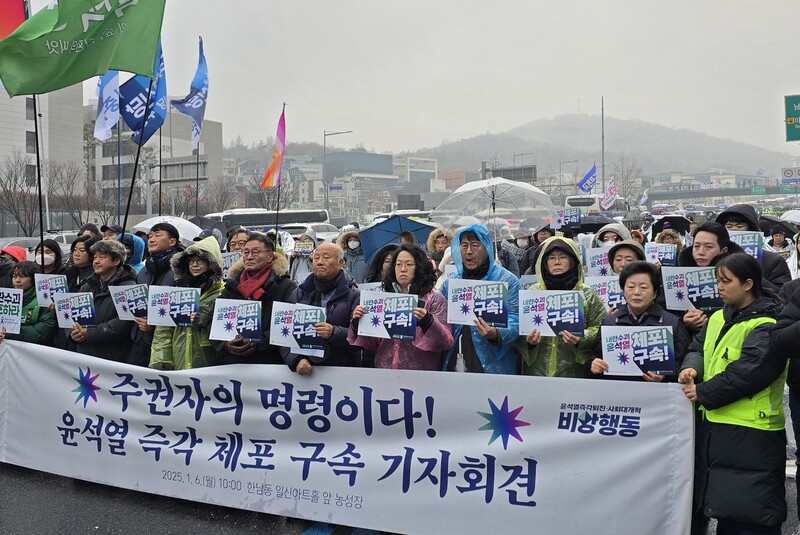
{"type": "Point", "coordinates": [731, 362]}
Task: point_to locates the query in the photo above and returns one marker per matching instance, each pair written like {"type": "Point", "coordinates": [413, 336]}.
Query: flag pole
{"type": "Point", "coordinates": [138, 154]}
{"type": "Point", "coordinates": [197, 182]}
{"type": "Point", "coordinates": [278, 170]}
{"type": "Point", "coordinates": [160, 148]}
{"type": "Point", "coordinates": [38, 176]}
{"type": "Point", "coordinates": [119, 171]}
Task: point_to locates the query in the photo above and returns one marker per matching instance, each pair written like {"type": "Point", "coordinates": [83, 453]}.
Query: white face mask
{"type": "Point", "coordinates": [522, 243]}
{"type": "Point", "coordinates": [353, 244]}
{"type": "Point", "coordinates": [48, 260]}
{"type": "Point", "coordinates": [609, 243]}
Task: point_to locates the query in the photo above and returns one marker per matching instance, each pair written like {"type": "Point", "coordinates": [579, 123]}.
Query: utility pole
{"type": "Point", "coordinates": [603, 142]}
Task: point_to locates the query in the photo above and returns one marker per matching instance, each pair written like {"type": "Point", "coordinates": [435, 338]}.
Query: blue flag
{"type": "Point", "coordinates": [587, 182]}
{"type": "Point", "coordinates": [194, 104]}
{"type": "Point", "coordinates": [133, 97]}
{"type": "Point", "coordinates": [107, 105]}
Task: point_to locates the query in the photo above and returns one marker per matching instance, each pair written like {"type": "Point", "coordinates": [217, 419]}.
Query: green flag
{"type": "Point", "coordinates": [71, 41]}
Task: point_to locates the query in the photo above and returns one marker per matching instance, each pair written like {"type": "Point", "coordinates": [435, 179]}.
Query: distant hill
{"type": "Point", "coordinates": [577, 137]}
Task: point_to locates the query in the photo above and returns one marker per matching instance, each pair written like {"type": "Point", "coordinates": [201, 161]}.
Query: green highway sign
{"type": "Point", "coordinates": [759, 190]}
{"type": "Point", "coordinates": [792, 117]}
{"type": "Point", "coordinates": [787, 188]}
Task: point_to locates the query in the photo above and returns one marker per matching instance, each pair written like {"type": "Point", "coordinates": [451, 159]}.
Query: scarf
{"type": "Point", "coordinates": [250, 286]}
{"type": "Point", "coordinates": [322, 288]}
{"type": "Point", "coordinates": [478, 273]}
{"type": "Point", "coordinates": [202, 281]}
{"type": "Point", "coordinates": [563, 282]}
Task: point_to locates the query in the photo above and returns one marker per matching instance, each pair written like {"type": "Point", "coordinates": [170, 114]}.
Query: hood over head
{"type": "Point", "coordinates": [740, 212]}
{"type": "Point", "coordinates": [16, 252]}
{"type": "Point", "coordinates": [618, 228]}
{"type": "Point", "coordinates": [483, 236]}
{"type": "Point", "coordinates": [435, 235]}
{"type": "Point", "coordinates": [563, 244]}
{"type": "Point", "coordinates": [207, 249]}
{"type": "Point", "coordinates": [137, 245]}
{"type": "Point", "coordinates": [344, 237]}
{"type": "Point", "coordinates": [637, 248]}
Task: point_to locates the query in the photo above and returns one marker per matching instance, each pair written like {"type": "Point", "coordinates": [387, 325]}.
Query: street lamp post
{"type": "Point", "coordinates": [560, 182]}
{"type": "Point", "coordinates": [325, 135]}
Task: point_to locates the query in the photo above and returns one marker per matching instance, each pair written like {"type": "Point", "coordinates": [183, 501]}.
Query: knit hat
{"type": "Point", "coordinates": [777, 229]}
{"type": "Point", "coordinates": [16, 252]}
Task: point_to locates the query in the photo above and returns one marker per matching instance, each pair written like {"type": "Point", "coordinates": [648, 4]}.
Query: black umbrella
{"type": "Point", "coordinates": [775, 221]}
{"type": "Point", "coordinates": [594, 222]}
{"type": "Point", "coordinates": [678, 223]}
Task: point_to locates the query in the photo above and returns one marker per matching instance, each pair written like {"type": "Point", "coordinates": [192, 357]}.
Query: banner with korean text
{"type": "Point", "coordinates": [387, 450]}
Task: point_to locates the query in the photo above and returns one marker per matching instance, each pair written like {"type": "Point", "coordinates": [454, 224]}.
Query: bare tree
{"type": "Point", "coordinates": [186, 202]}
{"type": "Point", "coordinates": [267, 198]}
{"type": "Point", "coordinates": [66, 185]}
{"type": "Point", "coordinates": [220, 194]}
{"type": "Point", "coordinates": [628, 177]}
{"type": "Point", "coordinates": [18, 191]}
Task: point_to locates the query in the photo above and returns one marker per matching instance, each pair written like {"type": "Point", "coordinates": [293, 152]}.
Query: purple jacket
{"type": "Point", "coordinates": [422, 353]}
{"type": "Point", "coordinates": [339, 311]}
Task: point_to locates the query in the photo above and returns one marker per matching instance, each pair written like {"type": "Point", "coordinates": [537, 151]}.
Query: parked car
{"type": "Point", "coordinates": [325, 231]}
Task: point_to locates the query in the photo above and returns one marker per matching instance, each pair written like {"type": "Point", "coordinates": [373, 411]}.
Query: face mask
{"type": "Point", "coordinates": [48, 260]}
{"type": "Point", "coordinates": [353, 244]}
{"type": "Point", "coordinates": [609, 243]}
{"type": "Point", "coordinates": [522, 243]}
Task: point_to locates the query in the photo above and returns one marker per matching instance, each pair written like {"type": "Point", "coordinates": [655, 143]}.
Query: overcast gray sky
{"type": "Point", "coordinates": [406, 75]}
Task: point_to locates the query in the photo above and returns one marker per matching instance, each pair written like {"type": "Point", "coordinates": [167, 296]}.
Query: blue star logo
{"type": "Point", "coordinates": [679, 295]}
{"type": "Point", "coordinates": [538, 320]}
{"type": "Point", "coordinates": [502, 422]}
{"type": "Point", "coordinates": [375, 321]}
{"type": "Point", "coordinates": [285, 331]}
{"type": "Point", "coordinates": [162, 312]}
{"type": "Point", "coordinates": [623, 358]}
{"type": "Point", "coordinates": [603, 271]}
{"type": "Point", "coordinates": [229, 326]}
{"type": "Point", "coordinates": [86, 388]}
{"type": "Point", "coordinates": [465, 308]}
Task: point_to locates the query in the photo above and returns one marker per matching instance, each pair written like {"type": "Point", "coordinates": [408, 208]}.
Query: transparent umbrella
{"type": "Point", "coordinates": [493, 199]}
{"type": "Point", "coordinates": [187, 230]}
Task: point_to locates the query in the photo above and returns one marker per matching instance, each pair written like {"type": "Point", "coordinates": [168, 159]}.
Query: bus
{"type": "Point", "coordinates": [590, 204]}
{"type": "Point", "coordinates": [263, 220]}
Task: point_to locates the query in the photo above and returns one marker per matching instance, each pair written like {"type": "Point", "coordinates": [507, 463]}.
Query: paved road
{"type": "Point", "coordinates": [33, 503]}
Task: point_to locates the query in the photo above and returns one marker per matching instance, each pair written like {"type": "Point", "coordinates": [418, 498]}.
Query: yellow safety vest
{"type": "Point", "coordinates": [764, 410]}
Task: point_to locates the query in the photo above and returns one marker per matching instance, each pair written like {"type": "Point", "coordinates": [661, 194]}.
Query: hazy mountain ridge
{"type": "Point", "coordinates": [577, 137]}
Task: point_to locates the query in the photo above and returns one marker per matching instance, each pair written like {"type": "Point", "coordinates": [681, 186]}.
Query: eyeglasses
{"type": "Point", "coordinates": [409, 265]}
{"type": "Point", "coordinates": [239, 243]}
{"type": "Point", "coordinates": [254, 252]}
{"type": "Point", "coordinates": [196, 261]}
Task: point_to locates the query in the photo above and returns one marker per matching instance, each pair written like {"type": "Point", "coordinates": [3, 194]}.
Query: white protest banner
{"type": "Point", "coordinates": [292, 326]}
{"type": "Point", "coordinates": [377, 449]}
{"type": "Point", "coordinates": [234, 317]}
{"type": "Point", "coordinates": [121, 302]}
{"type": "Point", "coordinates": [688, 288]}
{"type": "Point", "coordinates": [10, 310]}
{"type": "Point", "coordinates": [47, 286]}
{"type": "Point", "coordinates": [666, 253]}
{"type": "Point", "coordinates": [565, 217]}
{"type": "Point", "coordinates": [388, 315]}
{"type": "Point", "coordinates": [608, 289]}
{"type": "Point", "coordinates": [450, 271]}
{"type": "Point", "coordinates": [751, 242]}
{"type": "Point", "coordinates": [551, 312]}
{"type": "Point", "coordinates": [638, 350]}
{"type": "Point", "coordinates": [597, 262]}
{"type": "Point", "coordinates": [229, 259]}
{"type": "Point", "coordinates": [468, 300]}
{"type": "Point", "coordinates": [172, 307]}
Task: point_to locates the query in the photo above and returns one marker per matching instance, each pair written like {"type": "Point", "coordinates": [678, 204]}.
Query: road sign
{"type": "Point", "coordinates": [759, 190]}
{"type": "Point", "coordinates": [786, 188]}
{"type": "Point", "coordinates": [792, 117]}
{"type": "Point", "coordinates": [788, 173]}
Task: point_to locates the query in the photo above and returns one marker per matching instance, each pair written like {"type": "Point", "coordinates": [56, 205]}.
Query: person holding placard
{"type": "Point", "coordinates": [670, 236]}
{"type": "Point", "coordinates": [110, 338]}
{"type": "Point", "coordinates": [183, 348]}
{"type": "Point", "coordinates": [82, 258]}
{"type": "Point", "coordinates": [163, 242]}
{"type": "Point", "coordinates": [300, 266]}
{"type": "Point", "coordinates": [264, 277]}
{"type": "Point", "coordinates": [327, 287]}
{"type": "Point", "coordinates": [565, 355]}
{"type": "Point", "coordinates": [640, 282]}
{"type": "Point", "coordinates": [736, 377]}
{"type": "Point", "coordinates": [39, 324]}
{"type": "Point", "coordinates": [410, 272]}
{"type": "Point", "coordinates": [482, 348]}
{"type": "Point", "coordinates": [710, 244]}
{"type": "Point", "coordinates": [743, 217]}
